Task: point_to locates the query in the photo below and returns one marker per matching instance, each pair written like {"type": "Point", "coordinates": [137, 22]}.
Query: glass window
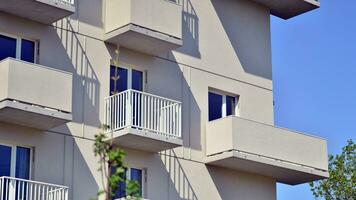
{"type": "Point", "coordinates": [121, 191]}
{"type": "Point", "coordinates": [118, 80]}
{"type": "Point", "coordinates": [27, 50]}
{"type": "Point", "coordinates": [5, 161]}
{"type": "Point", "coordinates": [137, 80]}
{"type": "Point", "coordinates": [221, 105]}
{"type": "Point", "coordinates": [22, 163]}
{"type": "Point", "coordinates": [215, 105]}
{"type": "Point", "coordinates": [7, 47]}
{"type": "Point", "coordinates": [230, 105]}
{"type": "Point", "coordinates": [122, 79]}
{"type": "Point", "coordinates": [135, 175]}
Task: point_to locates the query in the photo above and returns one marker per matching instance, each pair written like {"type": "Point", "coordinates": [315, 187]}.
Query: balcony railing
{"type": "Point", "coordinates": [143, 111]}
{"type": "Point", "coordinates": [68, 2]}
{"type": "Point", "coordinates": [20, 189]}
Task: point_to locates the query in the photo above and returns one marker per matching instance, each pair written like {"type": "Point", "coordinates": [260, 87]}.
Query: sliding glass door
{"type": "Point", "coordinates": [15, 161]}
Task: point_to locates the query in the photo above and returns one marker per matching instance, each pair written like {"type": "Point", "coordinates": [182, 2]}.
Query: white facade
{"type": "Point", "coordinates": [221, 46]}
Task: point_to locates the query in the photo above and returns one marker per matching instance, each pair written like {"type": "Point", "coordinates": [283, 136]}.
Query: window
{"type": "Point", "coordinates": [15, 47]}
{"type": "Point", "coordinates": [132, 174]}
{"type": "Point", "coordinates": [15, 161]}
{"type": "Point", "coordinates": [221, 105]}
{"type": "Point", "coordinates": [122, 79]}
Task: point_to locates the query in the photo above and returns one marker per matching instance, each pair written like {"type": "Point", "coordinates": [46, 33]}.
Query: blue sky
{"type": "Point", "coordinates": [314, 73]}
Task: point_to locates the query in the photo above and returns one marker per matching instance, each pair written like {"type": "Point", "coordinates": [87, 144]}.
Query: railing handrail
{"type": "Point", "coordinates": [34, 182]}
{"type": "Point", "coordinates": [70, 2]}
{"type": "Point", "coordinates": [145, 111]}
{"type": "Point", "coordinates": [144, 93]}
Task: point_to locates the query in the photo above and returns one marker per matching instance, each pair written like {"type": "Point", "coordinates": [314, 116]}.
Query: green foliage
{"type": "Point", "coordinates": [341, 185]}
{"type": "Point", "coordinates": [113, 158]}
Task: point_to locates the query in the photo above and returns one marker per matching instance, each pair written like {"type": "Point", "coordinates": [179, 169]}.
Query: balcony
{"type": "Point", "coordinates": [43, 11]}
{"type": "Point", "coordinates": [245, 145]}
{"type": "Point", "coordinates": [33, 95]}
{"type": "Point", "coordinates": [286, 9]}
{"type": "Point", "coordinates": [15, 188]}
{"type": "Point", "coordinates": [143, 121]}
{"type": "Point", "coordinates": [149, 26]}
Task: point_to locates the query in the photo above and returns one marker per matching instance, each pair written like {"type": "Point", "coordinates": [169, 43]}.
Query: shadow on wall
{"type": "Point", "coordinates": [86, 85]}
{"type": "Point", "coordinates": [190, 30]}
{"type": "Point", "coordinates": [89, 12]}
{"type": "Point", "coordinates": [249, 34]}
{"type": "Point", "coordinates": [84, 184]}
{"type": "Point", "coordinates": [178, 178]}
{"type": "Point", "coordinates": [191, 113]}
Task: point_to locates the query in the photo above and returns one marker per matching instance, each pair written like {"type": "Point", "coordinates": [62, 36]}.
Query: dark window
{"type": "Point", "coordinates": [136, 175]}
{"type": "Point", "coordinates": [121, 190]}
{"type": "Point", "coordinates": [215, 105]}
{"type": "Point", "coordinates": [22, 163]}
{"type": "Point", "coordinates": [5, 161]}
{"type": "Point", "coordinates": [7, 47]}
{"type": "Point", "coordinates": [118, 80]}
{"type": "Point", "coordinates": [137, 80]}
{"type": "Point", "coordinates": [27, 50]}
{"type": "Point", "coordinates": [230, 105]}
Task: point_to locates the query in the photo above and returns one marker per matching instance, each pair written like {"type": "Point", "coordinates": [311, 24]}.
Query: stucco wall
{"type": "Point", "coordinates": [226, 46]}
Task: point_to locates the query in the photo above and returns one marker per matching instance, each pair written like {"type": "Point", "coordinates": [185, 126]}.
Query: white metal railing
{"type": "Point", "coordinates": [69, 2]}
{"type": "Point", "coordinates": [144, 111]}
{"type": "Point", "coordinates": [21, 189]}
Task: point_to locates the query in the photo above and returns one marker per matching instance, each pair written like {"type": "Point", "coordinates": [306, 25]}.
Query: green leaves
{"type": "Point", "coordinates": [113, 169]}
{"type": "Point", "coordinates": [341, 184]}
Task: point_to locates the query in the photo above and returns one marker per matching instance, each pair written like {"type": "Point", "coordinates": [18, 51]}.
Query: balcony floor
{"type": "Point", "coordinates": [144, 40]}
{"type": "Point", "coordinates": [282, 171]}
{"type": "Point", "coordinates": [43, 11]}
{"type": "Point", "coordinates": [144, 140]}
{"type": "Point", "coordinates": [28, 115]}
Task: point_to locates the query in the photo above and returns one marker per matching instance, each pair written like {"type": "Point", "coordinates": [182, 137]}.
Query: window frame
{"type": "Point", "coordinates": [19, 45]}
{"type": "Point", "coordinates": [14, 155]}
{"type": "Point", "coordinates": [143, 181]}
{"type": "Point", "coordinates": [129, 69]}
{"type": "Point", "coordinates": [224, 95]}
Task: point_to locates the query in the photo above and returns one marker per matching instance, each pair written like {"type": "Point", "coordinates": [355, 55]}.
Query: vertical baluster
{"type": "Point", "coordinates": [154, 113]}
{"type": "Point", "coordinates": [30, 191]}
{"type": "Point", "coordinates": [129, 109]}
{"type": "Point", "coordinates": [124, 98]}
{"type": "Point", "coordinates": [141, 111]}
{"type": "Point", "coordinates": [105, 112]}
{"type": "Point", "coordinates": [1, 188]}
{"type": "Point", "coordinates": [144, 113]}
{"type": "Point", "coordinates": [180, 120]}
{"type": "Point", "coordinates": [113, 112]}
{"type": "Point", "coordinates": [136, 110]}
{"type": "Point", "coordinates": [170, 119]}
{"type": "Point", "coordinates": [149, 112]}
{"type": "Point", "coordinates": [5, 188]}
{"type": "Point", "coordinates": [110, 113]}
{"type": "Point", "coordinates": [164, 116]}
{"type": "Point", "coordinates": [47, 192]}
{"type": "Point", "coordinates": [120, 110]}
{"type": "Point", "coordinates": [23, 190]}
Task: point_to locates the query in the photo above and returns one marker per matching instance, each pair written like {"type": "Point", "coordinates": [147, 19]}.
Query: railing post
{"type": "Point", "coordinates": [12, 189]}
{"type": "Point", "coordinates": [129, 108]}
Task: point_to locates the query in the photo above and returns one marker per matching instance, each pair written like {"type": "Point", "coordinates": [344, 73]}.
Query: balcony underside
{"type": "Point", "coordinates": [286, 9]}
{"type": "Point", "coordinates": [143, 40]}
{"type": "Point", "coordinates": [144, 140]}
{"type": "Point", "coordinates": [43, 11]}
{"type": "Point", "coordinates": [18, 113]}
{"type": "Point", "coordinates": [284, 172]}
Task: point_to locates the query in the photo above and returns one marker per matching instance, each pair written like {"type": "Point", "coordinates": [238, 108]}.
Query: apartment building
{"type": "Point", "coordinates": [190, 100]}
